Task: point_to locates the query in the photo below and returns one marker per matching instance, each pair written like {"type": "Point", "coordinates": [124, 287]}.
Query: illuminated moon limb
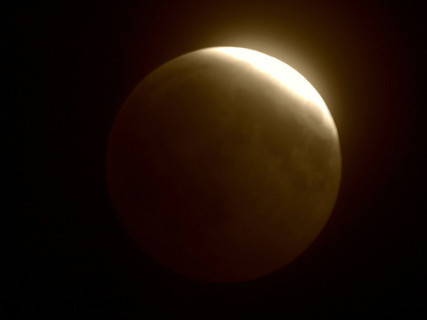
{"type": "Point", "coordinates": [281, 72]}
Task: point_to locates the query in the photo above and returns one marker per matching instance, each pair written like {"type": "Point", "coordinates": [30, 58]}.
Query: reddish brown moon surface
{"type": "Point", "coordinates": [224, 164]}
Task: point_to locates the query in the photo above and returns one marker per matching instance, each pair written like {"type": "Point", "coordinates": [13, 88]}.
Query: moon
{"type": "Point", "coordinates": [224, 164]}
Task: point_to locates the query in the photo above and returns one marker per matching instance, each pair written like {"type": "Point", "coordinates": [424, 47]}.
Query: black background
{"type": "Point", "coordinates": [69, 67]}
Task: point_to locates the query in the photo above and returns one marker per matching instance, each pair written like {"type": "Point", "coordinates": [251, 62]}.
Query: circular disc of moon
{"type": "Point", "coordinates": [224, 164]}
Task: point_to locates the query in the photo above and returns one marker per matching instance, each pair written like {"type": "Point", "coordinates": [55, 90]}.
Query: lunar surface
{"type": "Point", "coordinates": [224, 164]}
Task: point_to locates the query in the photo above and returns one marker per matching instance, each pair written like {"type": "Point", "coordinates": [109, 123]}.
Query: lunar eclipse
{"type": "Point", "coordinates": [224, 164]}
{"type": "Point", "coordinates": [214, 160]}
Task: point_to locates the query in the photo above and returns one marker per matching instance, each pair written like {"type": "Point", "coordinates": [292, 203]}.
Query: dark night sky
{"type": "Point", "coordinates": [71, 66]}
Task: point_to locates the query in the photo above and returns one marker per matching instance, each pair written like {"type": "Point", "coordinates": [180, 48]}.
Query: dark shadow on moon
{"type": "Point", "coordinates": [218, 173]}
